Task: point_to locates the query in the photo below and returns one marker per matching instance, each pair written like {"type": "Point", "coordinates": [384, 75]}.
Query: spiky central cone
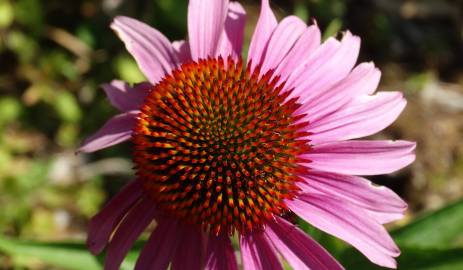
{"type": "Point", "coordinates": [217, 145]}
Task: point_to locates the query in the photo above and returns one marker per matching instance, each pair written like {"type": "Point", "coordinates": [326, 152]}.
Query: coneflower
{"type": "Point", "coordinates": [226, 148]}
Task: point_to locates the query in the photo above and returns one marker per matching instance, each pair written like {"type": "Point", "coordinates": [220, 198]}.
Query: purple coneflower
{"type": "Point", "coordinates": [228, 148]}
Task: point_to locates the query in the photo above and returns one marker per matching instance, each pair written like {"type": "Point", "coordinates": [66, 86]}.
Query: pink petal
{"type": "Point", "coordinates": [126, 98]}
{"type": "Point", "coordinates": [151, 49]}
{"type": "Point", "coordinates": [116, 130]}
{"type": "Point", "coordinates": [361, 157]}
{"type": "Point", "coordinates": [364, 116]}
{"type": "Point", "coordinates": [231, 42]}
{"type": "Point", "coordinates": [160, 247]}
{"type": "Point", "coordinates": [182, 51]}
{"type": "Point", "coordinates": [301, 251]}
{"type": "Point", "coordinates": [302, 50]}
{"type": "Point", "coordinates": [220, 253]}
{"type": "Point", "coordinates": [362, 80]}
{"type": "Point", "coordinates": [139, 217]}
{"type": "Point", "coordinates": [262, 33]}
{"type": "Point", "coordinates": [358, 191]}
{"type": "Point", "coordinates": [190, 252]}
{"type": "Point", "coordinates": [257, 253]}
{"type": "Point", "coordinates": [102, 225]}
{"type": "Point", "coordinates": [206, 20]}
{"type": "Point", "coordinates": [349, 223]}
{"type": "Point", "coordinates": [384, 218]}
{"type": "Point", "coordinates": [287, 33]}
{"type": "Point", "coordinates": [320, 56]}
{"type": "Point", "coordinates": [331, 63]}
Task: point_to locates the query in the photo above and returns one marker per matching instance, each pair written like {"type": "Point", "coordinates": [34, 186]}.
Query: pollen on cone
{"type": "Point", "coordinates": [215, 145]}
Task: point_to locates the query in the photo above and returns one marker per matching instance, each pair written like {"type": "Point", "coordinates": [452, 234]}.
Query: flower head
{"type": "Point", "coordinates": [225, 148]}
{"type": "Point", "coordinates": [213, 141]}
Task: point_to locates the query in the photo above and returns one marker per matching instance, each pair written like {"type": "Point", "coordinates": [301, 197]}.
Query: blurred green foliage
{"type": "Point", "coordinates": [418, 251]}
{"type": "Point", "coordinates": [54, 55]}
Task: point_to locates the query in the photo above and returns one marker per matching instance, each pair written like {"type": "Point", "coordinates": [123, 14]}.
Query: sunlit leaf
{"type": "Point", "coordinates": [68, 256]}
{"type": "Point", "coordinates": [10, 109]}
{"type": "Point", "coordinates": [6, 14]}
{"type": "Point", "coordinates": [410, 259]}
{"type": "Point", "coordinates": [128, 70]}
{"type": "Point", "coordinates": [23, 45]}
{"type": "Point", "coordinates": [67, 107]}
{"type": "Point", "coordinates": [442, 228]}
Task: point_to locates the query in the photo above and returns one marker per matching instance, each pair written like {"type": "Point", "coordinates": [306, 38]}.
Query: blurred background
{"type": "Point", "coordinates": [54, 55]}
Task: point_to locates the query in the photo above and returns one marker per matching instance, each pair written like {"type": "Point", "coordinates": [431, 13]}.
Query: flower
{"type": "Point", "coordinates": [224, 148]}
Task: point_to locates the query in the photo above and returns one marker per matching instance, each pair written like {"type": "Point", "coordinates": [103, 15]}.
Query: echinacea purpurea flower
{"type": "Point", "coordinates": [224, 147]}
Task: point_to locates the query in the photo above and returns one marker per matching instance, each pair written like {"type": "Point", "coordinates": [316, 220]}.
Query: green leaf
{"type": "Point", "coordinates": [442, 228]}
{"type": "Point", "coordinates": [70, 256]}
{"type": "Point", "coordinates": [30, 14]}
{"type": "Point", "coordinates": [24, 46]}
{"type": "Point", "coordinates": [66, 255]}
{"type": "Point", "coordinates": [6, 14]}
{"type": "Point", "coordinates": [301, 10]}
{"type": "Point", "coordinates": [10, 109]}
{"type": "Point", "coordinates": [128, 70]}
{"type": "Point", "coordinates": [332, 28]}
{"type": "Point", "coordinates": [67, 107]}
{"type": "Point", "coordinates": [411, 259]}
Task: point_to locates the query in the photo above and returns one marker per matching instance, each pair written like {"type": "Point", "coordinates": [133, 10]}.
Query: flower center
{"type": "Point", "coordinates": [217, 145]}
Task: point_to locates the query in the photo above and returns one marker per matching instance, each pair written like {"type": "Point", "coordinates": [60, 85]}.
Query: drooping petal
{"type": "Point", "coordinates": [301, 251]}
{"type": "Point", "coordinates": [220, 253]}
{"type": "Point", "coordinates": [285, 35]}
{"type": "Point", "coordinates": [190, 252]}
{"type": "Point", "coordinates": [331, 63]}
{"type": "Point", "coordinates": [382, 202]}
{"type": "Point", "coordinates": [160, 247]}
{"type": "Point", "coordinates": [364, 116]}
{"type": "Point", "coordinates": [151, 49]}
{"type": "Point", "coordinates": [384, 218]}
{"type": "Point", "coordinates": [231, 41]}
{"type": "Point", "coordinates": [126, 98]}
{"type": "Point", "coordinates": [258, 253]}
{"type": "Point", "coordinates": [349, 223]}
{"type": "Point", "coordinates": [262, 33]}
{"type": "Point", "coordinates": [361, 157]}
{"type": "Point", "coordinates": [128, 232]}
{"type": "Point", "coordinates": [182, 51]}
{"type": "Point", "coordinates": [363, 80]}
{"type": "Point", "coordinates": [116, 130]}
{"type": "Point", "coordinates": [302, 50]}
{"type": "Point", "coordinates": [206, 19]}
{"type": "Point", "coordinates": [102, 225]}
